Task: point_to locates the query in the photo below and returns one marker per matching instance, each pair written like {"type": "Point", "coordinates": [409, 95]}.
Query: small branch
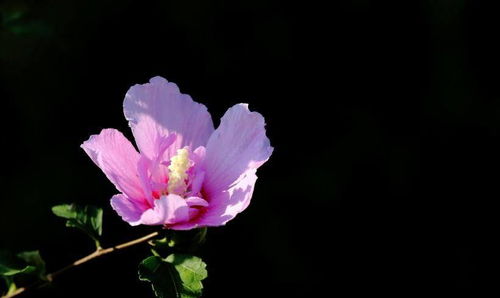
{"type": "Point", "coordinates": [99, 252]}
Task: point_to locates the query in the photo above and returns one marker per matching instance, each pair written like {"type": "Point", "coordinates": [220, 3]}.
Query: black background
{"type": "Point", "coordinates": [384, 116]}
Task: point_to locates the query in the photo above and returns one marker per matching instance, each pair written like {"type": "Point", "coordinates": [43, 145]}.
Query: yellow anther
{"type": "Point", "coordinates": [179, 164]}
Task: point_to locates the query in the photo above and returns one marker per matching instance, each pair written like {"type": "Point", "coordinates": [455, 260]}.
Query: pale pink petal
{"type": "Point", "coordinates": [196, 183]}
{"type": "Point", "coordinates": [228, 204]}
{"type": "Point", "coordinates": [143, 167]}
{"type": "Point", "coordinates": [224, 206]}
{"type": "Point", "coordinates": [167, 210]}
{"type": "Point", "coordinates": [118, 159]}
{"type": "Point", "coordinates": [197, 175]}
{"type": "Point", "coordinates": [196, 201]}
{"type": "Point", "coordinates": [157, 109]}
{"type": "Point", "coordinates": [129, 210]}
{"type": "Point", "coordinates": [196, 205]}
{"type": "Point", "coordinates": [158, 169]}
{"type": "Point", "coordinates": [237, 145]}
{"type": "Point", "coordinates": [185, 226]}
{"type": "Point", "coordinates": [198, 155]}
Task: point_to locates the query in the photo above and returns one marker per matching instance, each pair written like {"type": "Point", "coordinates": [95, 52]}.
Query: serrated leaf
{"type": "Point", "coordinates": [33, 258]}
{"type": "Point", "coordinates": [162, 277]}
{"type": "Point", "coordinates": [177, 276]}
{"type": "Point", "coordinates": [192, 270]}
{"type": "Point", "coordinates": [86, 218]}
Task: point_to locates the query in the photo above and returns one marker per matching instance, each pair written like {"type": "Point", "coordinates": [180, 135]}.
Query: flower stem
{"type": "Point", "coordinates": [98, 253]}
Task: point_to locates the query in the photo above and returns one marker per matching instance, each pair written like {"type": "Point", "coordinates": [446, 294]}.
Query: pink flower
{"type": "Point", "coordinates": [186, 174]}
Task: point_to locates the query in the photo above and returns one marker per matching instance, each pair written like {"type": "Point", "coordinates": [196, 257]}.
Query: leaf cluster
{"type": "Point", "coordinates": [177, 276]}
{"type": "Point", "coordinates": [23, 264]}
{"type": "Point", "coordinates": [86, 218]}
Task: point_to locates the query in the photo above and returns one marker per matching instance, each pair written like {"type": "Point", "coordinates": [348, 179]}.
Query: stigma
{"type": "Point", "coordinates": [179, 164]}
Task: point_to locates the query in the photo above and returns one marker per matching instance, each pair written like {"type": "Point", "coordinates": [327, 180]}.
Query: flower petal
{"type": "Point", "coordinates": [224, 206]}
{"type": "Point", "coordinates": [169, 209]}
{"type": "Point", "coordinates": [196, 183]}
{"type": "Point", "coordinates": [238, 144]}
{"type": "Point", "coordinates": [153, 173]}
{"type": "Point", "coordinates": [228, 204]}
{"type": "Point", "coordinates": [196, 202]}
{"type": "Point", "coordinates": [129, 210]}
{"type": "Point", "coordinates": [157, 109]}
{"type": "Point", "coordinates": [118, 159]}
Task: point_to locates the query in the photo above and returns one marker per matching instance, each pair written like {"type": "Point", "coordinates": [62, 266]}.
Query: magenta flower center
{"type": "Point", "coordinates": [180, 175]}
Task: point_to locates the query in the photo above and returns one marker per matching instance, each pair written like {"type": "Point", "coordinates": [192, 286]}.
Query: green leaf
{"type": "Point", "coordinates": [162, 243]}
{"type": "Point", "coordinates": [191, 270]}
{"type": "Point", "coordinates": [177, 276]}
{"type": "Point", "coordinates": [86, 218]}
{"type": "Point", "coordinates": [33, 258]}
{"type": "Point", "coordinates": [11, 286]}
{"type": "Point", "coordinates": [27, 262]}
{"type": "Point", "coordinates": [10, 265]}
{"type": "Point", "coordinates": [162, 277]}
{"type": "Point", "coordinates": [7, 271]}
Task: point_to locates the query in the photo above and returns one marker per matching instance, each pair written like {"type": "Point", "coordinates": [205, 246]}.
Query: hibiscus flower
{"type": "Point", "coordinates": [185, 174]}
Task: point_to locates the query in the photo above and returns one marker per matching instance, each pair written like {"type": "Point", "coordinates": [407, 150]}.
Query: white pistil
{"type": "Point", "coordinates": [179, 164]}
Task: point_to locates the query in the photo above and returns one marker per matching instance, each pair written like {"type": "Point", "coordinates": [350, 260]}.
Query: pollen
{"type": "Point", "coordinates": [179, 164]}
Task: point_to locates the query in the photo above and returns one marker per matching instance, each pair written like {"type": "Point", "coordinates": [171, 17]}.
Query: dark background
{"type": "Point", "coordinates": [385, 119]}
